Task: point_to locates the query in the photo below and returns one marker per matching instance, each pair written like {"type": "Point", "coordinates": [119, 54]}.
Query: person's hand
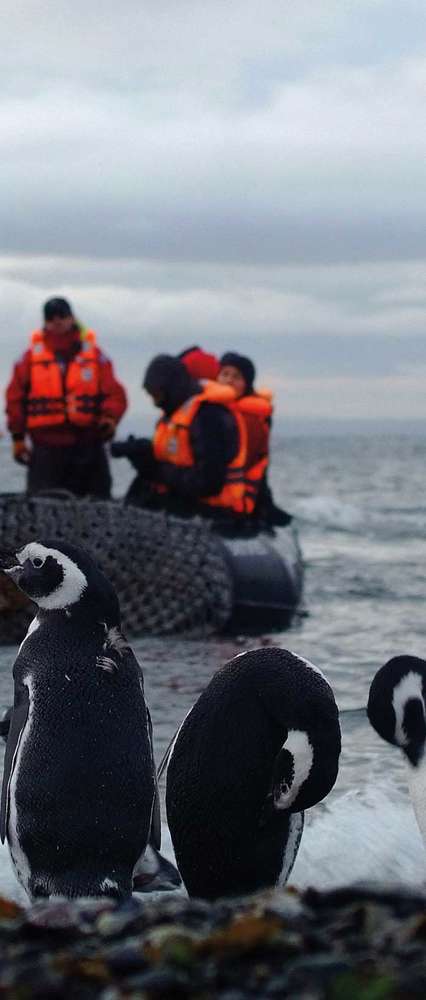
{"type": "Point", "coordinates": [126, 449]}
{"type": "Point", "coordinates": [139, 451]}
{"type": "Point", "coordinates": [107, 427]}
{"type": "Point", "coordinates": [144, 451]}
{"type": "Point", "coordinates": [21, 453]}
{"type": "Point", "coordinates": [118, 449]}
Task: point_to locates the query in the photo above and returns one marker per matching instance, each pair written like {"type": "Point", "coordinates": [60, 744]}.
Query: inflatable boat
{"type": "Point", "coordinates": [266, 571]}
{"type": "Point", "coordinates": [171, 575]}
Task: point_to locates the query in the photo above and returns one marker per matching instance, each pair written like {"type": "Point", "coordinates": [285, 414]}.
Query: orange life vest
{"type": "Point", "coordinates": [172, 444]}
{"type": "Point", "coordinates": [55, 398]}
{"type": "Point", "coordinates": [256, 411]}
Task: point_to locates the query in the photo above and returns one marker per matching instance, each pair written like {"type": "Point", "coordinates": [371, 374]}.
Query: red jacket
{"type": "Point", "coordinates": [112, 400]}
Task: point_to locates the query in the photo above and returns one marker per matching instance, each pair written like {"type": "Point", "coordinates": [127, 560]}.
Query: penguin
{"type": "Point", "coordinates": [397, 711]}
{"type": "Point", "coordinates": [261, 745]}
{"type": "Point", "coordinates": [79, 803]}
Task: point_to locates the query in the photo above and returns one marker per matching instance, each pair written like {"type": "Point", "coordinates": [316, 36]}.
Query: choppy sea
{"type": "Point", "coordinates": [360, 506]}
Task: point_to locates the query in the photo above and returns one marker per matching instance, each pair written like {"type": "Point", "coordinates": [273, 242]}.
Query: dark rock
{"type": "Point", "coordinates": [358, 943]}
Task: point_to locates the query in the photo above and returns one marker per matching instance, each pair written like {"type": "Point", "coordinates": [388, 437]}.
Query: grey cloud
{"type": "Point", "coordinates": [176, 135]}
{"type": "Point", "coordinates": [216, 46]}
{"type": "Point", "coordinates": [349, 318]}
{"type": "Point", "coordinates": [227, 173]}
{"type": "Point", "coordinates": [224, 235]}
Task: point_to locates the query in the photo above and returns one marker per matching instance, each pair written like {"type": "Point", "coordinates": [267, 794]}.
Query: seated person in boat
{"type": "Point", "coordinates": [63, 402]}
{"type": "Point", "coordinates": [197, 461]}
{"type": "Point", "coordinates": [255, 409]}
{"type": "Point", "coordinates": [239, 372]}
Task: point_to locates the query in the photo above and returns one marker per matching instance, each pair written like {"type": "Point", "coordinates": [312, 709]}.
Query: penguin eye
{"type": "Point", "coordinates": [37, 562]}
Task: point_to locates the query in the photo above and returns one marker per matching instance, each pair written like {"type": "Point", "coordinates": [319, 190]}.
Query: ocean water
{"type": "Point", "coordinates": [360, 508]}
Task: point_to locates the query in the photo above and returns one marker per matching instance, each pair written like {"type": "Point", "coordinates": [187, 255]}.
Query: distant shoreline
{"type": "Point", "coordinates": [299, 426]}
{"type": "Point", "coordinates": [325, 427]}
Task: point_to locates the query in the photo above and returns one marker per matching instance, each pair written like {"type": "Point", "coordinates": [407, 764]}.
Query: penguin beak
{"type": "Point", "coordinates": [9, 563]}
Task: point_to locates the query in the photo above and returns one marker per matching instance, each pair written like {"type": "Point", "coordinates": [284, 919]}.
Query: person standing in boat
{"type": "Point", "coordinates": [63, 403]}
{"type": "Point", "coordinates": [197, 460]}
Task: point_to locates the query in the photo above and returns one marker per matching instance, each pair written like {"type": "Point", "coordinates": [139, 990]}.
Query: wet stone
{"type": "Point", "coordinates": [316, 946]}
{"type": "Point", "coordinates": [160, 983]}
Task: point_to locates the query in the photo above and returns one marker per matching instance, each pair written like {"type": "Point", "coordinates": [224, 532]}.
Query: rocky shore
{"type": "Point", "coordinates": [350, 944]}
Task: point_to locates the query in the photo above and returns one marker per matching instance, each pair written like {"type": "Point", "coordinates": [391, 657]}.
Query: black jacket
{"type": "Point", "coordinates": [214, 442]}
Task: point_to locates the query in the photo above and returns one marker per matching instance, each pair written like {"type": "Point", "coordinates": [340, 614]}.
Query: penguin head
{"type": "Point", "coordinates": [59, 576]}
{"type": "Point", "coordinates": [285, 711]}
{"type": "Point", "coordinates": [396, 705]}
{"type": "Point", "coordinates": [305, 768]}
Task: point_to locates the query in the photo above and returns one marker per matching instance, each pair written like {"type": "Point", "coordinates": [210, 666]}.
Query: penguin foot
{"type": "Point", "coordinates": [154, 873]}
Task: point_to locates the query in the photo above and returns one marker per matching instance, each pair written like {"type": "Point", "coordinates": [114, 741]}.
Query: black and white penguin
{"type": "Point", "coordinates": [260, 745]}
{"type": "Point", "coordinates": [80, 806]}
{"type": "Point", "coordinates": [397, 711]}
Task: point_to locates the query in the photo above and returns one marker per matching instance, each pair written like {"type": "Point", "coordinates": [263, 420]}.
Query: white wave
{"type": "Point", "coordinates": [329, 512]}
{"type": "Point", "coordinates": [368, 836]}
{"type": "Point", "coordinates": [9, 885]}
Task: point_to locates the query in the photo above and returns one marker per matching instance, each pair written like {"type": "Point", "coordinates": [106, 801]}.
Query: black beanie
{"type": "Point", "coordinates": [56, 307]}
{"type": "Point", "coordinates": [168, 378]}
{"type": "Point", "coordinates": [244, 365]}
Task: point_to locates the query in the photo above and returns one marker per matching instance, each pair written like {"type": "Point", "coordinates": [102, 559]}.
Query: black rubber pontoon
{"type": "Point", "coordinates": [171, 575]}
{"type": "Point", "coordinates": [267, 580]}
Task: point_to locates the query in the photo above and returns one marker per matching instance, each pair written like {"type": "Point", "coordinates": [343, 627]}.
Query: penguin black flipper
{"type": "Point", "coordinates": [17, 725]}
{"type": "Point", "coordinates": [116, 654]}
{"type": "Point", "coordinates": [155, 831]}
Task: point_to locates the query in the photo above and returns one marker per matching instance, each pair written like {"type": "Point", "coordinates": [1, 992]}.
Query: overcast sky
{"type": "Point", "coordinates": [242, 174]}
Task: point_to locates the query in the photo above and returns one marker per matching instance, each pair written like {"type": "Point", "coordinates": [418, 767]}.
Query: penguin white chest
{"type": "Point", "coordinates": [417, 789]}
{"type": "Point", "coordinates": [18, 856]}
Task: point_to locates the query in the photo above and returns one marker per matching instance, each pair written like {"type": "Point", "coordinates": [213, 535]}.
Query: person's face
{"type": "Point", "coordinates": [229, 375]}
{"type": "Point", "coordinates": [59, 324]}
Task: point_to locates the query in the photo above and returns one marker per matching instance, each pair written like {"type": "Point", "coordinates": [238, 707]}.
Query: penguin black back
{"type": "Point", "coordinates": [260, 745]}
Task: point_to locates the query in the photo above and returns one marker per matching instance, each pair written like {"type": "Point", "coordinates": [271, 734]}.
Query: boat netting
{"type": "Point", "coordinates": [170, 575]}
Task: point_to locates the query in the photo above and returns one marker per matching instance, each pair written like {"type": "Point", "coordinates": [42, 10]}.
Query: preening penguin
{"type": "Point", "coordinates": [79, 798]}
{"type": "Point", "coordinates": [397, 711]}
{"type": "Point", "coordinates": [260, 745]}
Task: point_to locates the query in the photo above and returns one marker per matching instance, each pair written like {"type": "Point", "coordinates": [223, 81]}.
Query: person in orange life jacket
{"type": "Point", "coordinates": [238, 371]}
{"type": "Point", "coordinates": [185, 468]}
{"type": "Point", "coordinates": [63, 402]}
